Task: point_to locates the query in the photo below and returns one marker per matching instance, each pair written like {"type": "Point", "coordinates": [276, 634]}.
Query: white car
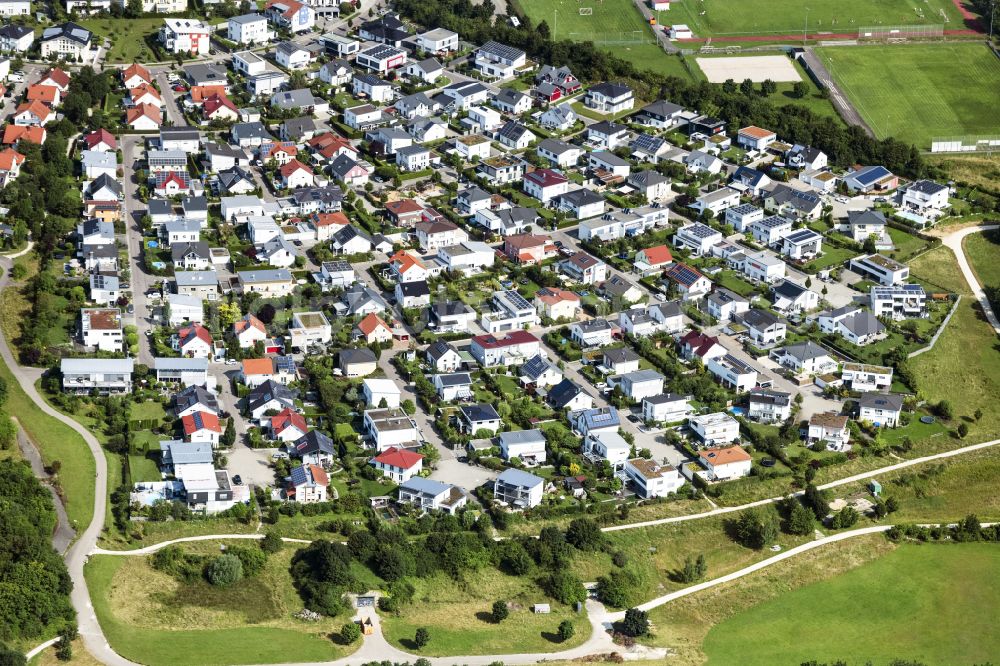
{"type": "Point", "coordinates": [16, 77]}
{"type": "Point", "coordinates": [280, 455]}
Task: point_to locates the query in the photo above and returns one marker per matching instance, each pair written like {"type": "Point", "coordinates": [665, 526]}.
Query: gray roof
{"type": "Point", "coordinates": [863, 323]}
{"type": "Point", "coordinates": [196, 278]}
{"type": "Point", "coordinates": [419, 484]}
{"type": "Point", "coordinates": [360, 355]}
{"type": "Point", "coordinates": [455, 379]}
{"type": "Point", "coordinates": [620, 355]}
{"type": "Point", "coordinates": [522, 437]}
{"type": "Point", "coordinates": [178, 452]}
{"type": "Point", "coordinates": [84, 365]}
{"type": "Point", "coordinates": [186, 364]}
{"type": "Point", "coordinates": [805, 351]}
{"type": "Point", "coordinates": [290, 99]}
{"type": "Point", "coordinates": [885, 401]}
{"type": "Point", "coordinates": [516, 477]}
{"type": "Point", "coordinates": [480, 412]}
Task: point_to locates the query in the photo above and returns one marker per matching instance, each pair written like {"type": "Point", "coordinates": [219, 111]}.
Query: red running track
{"type": "Point", "coordinates": [817, 36]}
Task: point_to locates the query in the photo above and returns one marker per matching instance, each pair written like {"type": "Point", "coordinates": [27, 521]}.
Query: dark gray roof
{"type": "Point", "coordinates": [884, 401]}
{"type": "Point", "coordinates": [620, 355]}
{"type": "Point", "coordinates": [480, 412]}
{"type": "Point", "coordinates": [360, 355]}
{"type": "Point", "coordinates": [563, 393]}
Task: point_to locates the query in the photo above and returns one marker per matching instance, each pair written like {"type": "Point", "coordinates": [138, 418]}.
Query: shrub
{"type": "Point", "coordinates": [500, 611]}
{"type": "Point", "coordinates": [271, 543]}
{"type": "Point", "coordinates": [565, 588]}
{"type": "Point", "coordinates": [566, 630]}
{"type": "Point", "coordinates": [422, 637]}
{"type": "Point", "coordinates": [224, 570]}
{"type": "Point", "coordinates": [636, 622]}
{"type": "Point", "coordinates": [252, 559]}
{"type": "Point", "coordinates": [756, 527]}
{"type": "Point", "coordinates": [350, 632]}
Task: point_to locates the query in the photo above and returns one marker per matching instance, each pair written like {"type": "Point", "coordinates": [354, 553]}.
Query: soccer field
{"type": "Point", "coordinates": [920, 92]}
{"type": "Point", "coordinates": [610, 23]}
{"type": "Point", "coordinates": [708, 18]}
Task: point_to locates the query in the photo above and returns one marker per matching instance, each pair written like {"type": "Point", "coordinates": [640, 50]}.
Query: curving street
{"type": "Point", "coordinates": [375, 647]}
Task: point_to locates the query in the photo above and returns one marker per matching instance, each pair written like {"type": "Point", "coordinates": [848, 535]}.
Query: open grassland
{"type": "Point", "coordinates": [964, 366]}
{"type": "Point", "coordinates": [657, 554]}
{"type": "Point", "coordinates": [975, 170]}
{"type": "Point", "coordinates": [458, 617]}
{"type": "Point", "coordinates": [683, 624]}
{"type": "Point", "coordinates": [80, 657]}
{"type": "Point", "coordinates": [930, 603]}
{"type": "Point", "coordinates": [151, 618]}
{"type": "Point", "coordinates": [920, 92]}
{"type": "Point", "coordinates": [947, 491]}
{"type": "Point", "coordinates": [718, 18]}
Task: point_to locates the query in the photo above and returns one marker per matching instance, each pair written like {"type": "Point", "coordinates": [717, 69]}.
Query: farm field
{"type": "Point", "coordinates": [918, 92]}
{"type": "Point", "coordinates": [878, 611]}
{"type": "Point", "coordinates": [716, 18]}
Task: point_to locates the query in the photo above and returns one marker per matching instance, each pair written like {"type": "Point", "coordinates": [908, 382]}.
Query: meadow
{"type": "Point", "coordinates": [920, 92]}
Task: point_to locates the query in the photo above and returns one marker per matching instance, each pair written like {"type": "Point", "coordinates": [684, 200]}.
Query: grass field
{"type": "Point", "coordinates": [457, 615]}
{"type": "Point", "coordinates": [128, 37]}
{"type": "Point", "coordinates": [682, 625]}
{"type": "Point", "coordinates": [930, 603]}
{"type": "Point", "coordinates": [983, 250]}
{"type": "Point", "coordinates": [716, 18]}
{"type": "Point", "coordinates": [151, 618]}
{"type": "Point", "coordinates": [976, 170]}
{"type": "Point", "coordinates": [964, 366]}
{"type": "Point", "coordinates": [918, 92]}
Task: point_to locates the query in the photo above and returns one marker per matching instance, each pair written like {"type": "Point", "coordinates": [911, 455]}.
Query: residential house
{"type": "Point", "coordinates": [650, 479]}
{"type": "Point", "coordinates": [762, 327]}
{"type": "Point", "coordinates": [666, 408]}
{"type": "Point", "coordinates": [805, 358]}
{"type": "Point", "coordinates": [101, 329]}
{"type": "Point", "coordinates": [453, 386]}
{"type": "Point", "coordinates": [307, 484]}
{"type": "Point", "coordinates": [725, 464]}
{"type": "Point", "coordinates": [880, 409]}
{"type": "Point", "coordinates": [864, 377]}
{"type": "Point", "coordinates": [592, 332]}
{"type": "Point", "coordinates": [609, 98]}
{"type": "Point", "coordinates": [430, 495]}
{"type": "Point", "coordinates": [511, 348]}
{"type": "Point", "coordinates": [639, 384]}
{"type": "Point", "coordinates": [202, 427]}
{"type": "Point", "coordinates": [691, 284]}
{"type": "Point", "coordinates": [499, 61]}
{"type": "Point", "coordinates": [790, 297]}
{"type": "Point", "coordinates": [372, 329]}
{"type": "Point", "coordinates": [715, 429]}
{"type": "Point", "coordinates": [518, 489]}
{"type": "Point", "coordinates": [398, 465]}
{"type": "Point", "coordinates": [557, 304]}
{"type": "Point", "coordinates": [443, 357]}
{"type": "Point", "coordinates": [539, 372]}
{"type": "Point", "coordinates": [906, 301]}
{"type": "Point", "coordinates": [865, 180]}
{"type": "Point", "coordinates": [357, 362]}
{"type": "Point", "coordinates": [829, 429]}
{"type": "Point", "coordinates": [85, 376]}
{"type": "Point", "coordinates": [767, 406]}
{"type": "Point", "coordinates": [583, 268]}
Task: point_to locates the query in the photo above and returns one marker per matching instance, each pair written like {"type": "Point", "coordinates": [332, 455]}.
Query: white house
{"type": "Point", "coordinates": [398, 465]}
{"type": "Point", "coordinates": [525, 445]}
{"type": "Point", "coordinates": [390, 427]}
{"type": "Point", "coordinates": [880, 409]}
{"type": "Point", "coordinates": [805, 358]}
{"type": "Point", "coordinates": [248, 29]}
{"type": "Point", "coordinates": [666, 408]}
{"type": "Point", "coordinates": [518, 489]}
{"type": "Point", "coordinates": [725, 464]}
{"type": "Point", "coordinates": [639, 384]}
{"type": "Point", "coordinates": [767, 406]}
{"type": "Point", "coordinates": [499, 61]}
{"type": "Point", "coordinates": [376, 391]}
{"type": "Point", "coordinates": [717, 428]}
{"type": "Point", "coordinates": [829, 429]}
{"type": "Point", "coordinates": [609, 98]}
{"type": "Point", "coordinates": [650, 479]}
{"type": "Point", "coordinates": [187, 36]}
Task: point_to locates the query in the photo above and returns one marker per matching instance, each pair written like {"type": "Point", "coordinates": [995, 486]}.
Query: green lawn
{"type": "Point", "coordinates": [933, 603]}
{"type": "Point", "coordinates": [832, 256]}
{"type": "Point", "coordinates": [56, 441]}
{"type": "Point", "coordinates": [128, 37]}
{"type": "Point", "coordinates": [787, 17]}
{"type": "Point", "coordinates": [148, 409]}
{"type": "Point", "coordinates": [143, 468]}
{"type": "Point", "coordinates": [149, 617]}
{"type": "Point", "coordinates": [983, 250]}
{"type": "Point", "coordinates": [919, 92]}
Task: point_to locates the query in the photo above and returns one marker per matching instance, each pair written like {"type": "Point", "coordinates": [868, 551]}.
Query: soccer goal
{"type": "Point", "coordinates": [586, 11]}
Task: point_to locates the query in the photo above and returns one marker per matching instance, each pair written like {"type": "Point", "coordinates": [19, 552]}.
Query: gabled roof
{"type": "Point", "coordinates": [288, 418]}
{"type": "Point", "coordinates": [200, 421]}
{"type": "Point", "coordinates": [370, 323]}
{"type": "Point", "coordinates": [96, 137]}
{"type": "Point", "coordinates": [398, 458]}
{"type": "Point", "coordinates": [563, 393]}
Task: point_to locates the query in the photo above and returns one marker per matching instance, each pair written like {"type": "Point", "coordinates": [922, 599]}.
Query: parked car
{"type": "Point", "coordinates": [280, 455]}
{"type": "Point", "coordinates": [237, 480]}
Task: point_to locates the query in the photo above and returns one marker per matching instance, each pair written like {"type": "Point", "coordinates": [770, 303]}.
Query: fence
{"type": "Point", "coordinates": [897, 32]}
{"type": "Point", "coordinates": [966, 144]}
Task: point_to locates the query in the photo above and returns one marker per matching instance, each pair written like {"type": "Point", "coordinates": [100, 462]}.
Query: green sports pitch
{"type": "Point", "coordinates": [719, 18]}
{"type": "Point", "coordinates": [604, 22]}
{"type": "Point", "coordinates": [920, 92]}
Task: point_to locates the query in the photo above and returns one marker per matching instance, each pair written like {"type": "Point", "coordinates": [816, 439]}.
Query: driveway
{"type": "Point", "coordinates": [141, 281]}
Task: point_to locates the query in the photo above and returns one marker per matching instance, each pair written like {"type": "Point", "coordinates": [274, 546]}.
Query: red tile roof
{"type": "Point", "coordinates": [100, 136]}
{"type": "Point", "coordinates": [371, 322]}
{"type": "Point", "coordinates": [135, 69]}
{"type": "Point", "coordinates": [506, 340]}
{"type": "Point", "coordinates": [399, 458]}
{"type": "Point", "coordinates": [292, 167]}
{"type": "Point", "coordinates": [57, 76]}
{"type": "Point", "coordinates": [287, 418]}
{"type": "Point", "coordinates": [658, 255]}
{"type": "Point", "coordinates": [31, 133]}
{"type": "Point", "coordinates": [200, 421]}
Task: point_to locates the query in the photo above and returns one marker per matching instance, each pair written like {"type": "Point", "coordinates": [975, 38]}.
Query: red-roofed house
{"type": "Point", "coordinates": [202, 427]}
{"type": "Point", "coordinates": [373, 329]}
{"type": "Point", "coordinates": [407, 267]}
{"type": "Point", "coordinates": [295, 174]}
{"type": "Point", "coordinates": [199, 94]}
{"type": "Point", "coordinates": [545, 184]}
{"type": "Point", "coordinates": [282, 153]}
{"type": "Point", "coordinates": [705, 347]}
{"type": "Point", "coordinates": [145, 94]}
{"type": "Point", "coordinates": [327, 224]}
{"type": "Point", "coordinates": [10, 165]}
{"type": "Point", "coordinates": [135, 75]}
{"type": "Point", "coordinates": [555, 303]}
{"type": "Point", "coordinates": [144, 117]}
{"type": "Point", "coordinates": [173, 183]}
{"type": "Point", "coordinates": [404, 213]}
{"type": "Point", "coordinates": [398, 465]}
{"type": "Point", "coordinates": [653, 259]}
{"type": "Point", "coordinates": [12, 134]}
{"type": "Point", "coordinates": [56, 77]}
{"type": "Point", "coordinates": [100, 139]}
{"type": "Point", "coordinates": [511, 348]}
{"type": "Point", "coordinates": [249, 330]}
{"type": "Point", "coordinates": [529, 248]}
{"type": "Point", "coordinates": [194, 341]}
{"type": "Point", "coordinates": [219, 107]}
{"type": "Point", "coordinates": [294, 16]}
{"type": "Point", "coordinates": [307, 485]}
{"type": "Point", "coordinates": [331, 146]}
{"type": "Point", "coordinates": [33, 113]}
{"type": "Point", "coordinates": [49, 95]}
{"type": "Point", "coordinates": [288, 425]}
